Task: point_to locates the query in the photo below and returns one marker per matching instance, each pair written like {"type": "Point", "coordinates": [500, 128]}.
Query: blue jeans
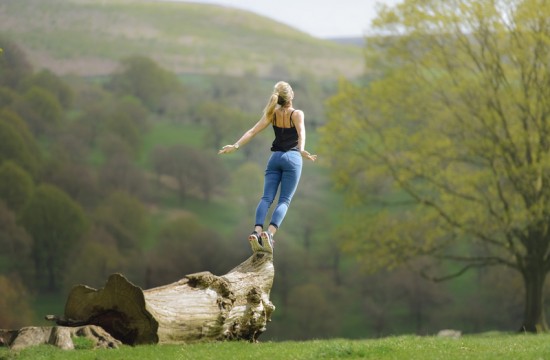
{"type": "Point", "coordinates": [284, 169]}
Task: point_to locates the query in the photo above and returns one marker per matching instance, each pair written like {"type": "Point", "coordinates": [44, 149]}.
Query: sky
{"type": "Point", "coordinates": [319, 18]}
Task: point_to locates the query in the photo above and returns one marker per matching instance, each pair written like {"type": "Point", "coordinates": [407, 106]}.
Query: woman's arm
{"type": "Point", "coordinates": [247, 136]}
{"type": "Point", "coordinates": [298, 120]}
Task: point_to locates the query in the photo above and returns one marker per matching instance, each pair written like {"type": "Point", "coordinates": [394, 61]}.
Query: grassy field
{"type": "Point", "coordinates": [486, 347]}
{"type": "Point", "coordinates": [88, 37]}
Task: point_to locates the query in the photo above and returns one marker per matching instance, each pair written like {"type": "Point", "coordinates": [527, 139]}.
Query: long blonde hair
{"type": "Point", "coordinates": [282, 95]}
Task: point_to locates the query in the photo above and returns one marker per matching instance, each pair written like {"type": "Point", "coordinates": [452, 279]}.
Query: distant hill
{"type": "Point", "coordinates": [89, 37]}
{"type": "Point", "coordinates": [357, 41]}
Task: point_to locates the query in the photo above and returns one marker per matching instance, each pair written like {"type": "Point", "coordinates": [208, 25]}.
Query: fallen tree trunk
{"type": "Point", "coordinates": [200, 306]}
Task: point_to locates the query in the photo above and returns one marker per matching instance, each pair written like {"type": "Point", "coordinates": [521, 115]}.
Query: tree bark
{"type": "Point", "coordinates": [60, 336]}
{"type": "Point", "coordinates": [200, 306]}
{"type": "Point", "coordinates": [203, 306]}
{"type": "Point", "coordinates": [534, 315]}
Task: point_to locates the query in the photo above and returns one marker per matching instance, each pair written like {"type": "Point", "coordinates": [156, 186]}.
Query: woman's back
{"type": "Point", "coordinates": [282, 118]}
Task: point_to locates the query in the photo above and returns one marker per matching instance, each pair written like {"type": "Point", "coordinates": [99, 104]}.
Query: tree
{"type": "Point", "coordinates": [103, 257]}
{"type": "Point", "coordinates": [20, 126]}
{"type": "Point", "coordinates": [246, 186]}
{"type": "Point", "coordinates": [209, 174]}
{"type": "Point", "coordinates": [16, 185]}
{"type": "Point", "coordinates": [94, 104]}
{"type": "Point", "coordinates": [15, 308]}
{"type": "Point", "coordinates": [311, 311]}
{"type": "Point", "coordinates": [16, 245]}
{"type": "Point", "coordinates": [142, 78]}
{"type": "Point", "coordinates": [14, 66]}
{"type": "Point", "coordinates": [446, 148]}
{"type": "Point", "coordinates": [125, 218]}
{"type": "Point", "coordinates": [13, 148]}
{"type": "Point", "coordinates": [223, 123]}
{"type": "Point", "coordinates": [119, 172]}
{"type": "Point", "coordinates": [244, 93]}
{"type": "Point", "coordinates": [53, 84]}
{"type": "Point", "coordinates": [184, 245]}
{"type": "Point", "coordinates": [77, 180]}
{"type": "Point", "coordinates": [7, 97]}
{"type": "Point", "coordinates": [40, 109]}
{"type": "Point", "coordinates": [420, 296]}
{"type": "Point", "coordinates": [56, 224]}
{"type": "Point", "coordinates": [128, 121]}
{"type": "Point", "coordinates": [190, 168]}
{"type": "Point", "coordinates": [312, 97]}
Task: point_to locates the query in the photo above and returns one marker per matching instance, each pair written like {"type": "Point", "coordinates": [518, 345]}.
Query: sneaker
{"type": "Point", "coordinates": [255, 241]}
{"type": "Point", "coordinates": [267, 241]}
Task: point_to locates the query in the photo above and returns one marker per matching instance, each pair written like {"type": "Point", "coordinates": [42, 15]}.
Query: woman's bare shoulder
{"type": "Point", "coordinates": [297, 114]}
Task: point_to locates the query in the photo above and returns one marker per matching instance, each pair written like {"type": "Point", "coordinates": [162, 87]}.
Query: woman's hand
{"type": "Point", "coordinates": [307, 155]}
{"type": "Point", "coordinates": [228, 149]}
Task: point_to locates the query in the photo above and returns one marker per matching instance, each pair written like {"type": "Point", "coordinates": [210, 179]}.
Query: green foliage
{"type": "Point", "coordinates": [192, 170]}
{"type": "Point", "coordinates": [103, 258]}
{"type": "Point", "coordinates": [56, 223]}
{"type": "Point", "coordinates": [9, 115]}
{"type": "Point", "coordinates": [16, 245]}
{"type": "Point", "coordinates": [246, 185]}
{"type": "Point", "coordinates": [14, 66]}
{"type": "Point", "coordinates": [209, 174]}
{"type": "Point", "coordinates": [13, 148]}
{"type": "Point", "coordinates": [142, 78]}
{"type": "Point", "coordinates": [7, 97]}
{"type": "Point", "coordinates": [215, 116]}
{"type": "Point", "coordinates": [41, 110]}
{"type": "Point", "coordinates": [16, 185]}
{"type": "Point", "coordinates": [183, 246]}
{"type": "Point", "coordinates": [451, 139]}
{"type": "Point", "coordinates": [65, 170]}
{"type": "Point", "coordinates": [119, 172]}
{"type": "Point", "coordinates": [47, 80]}
{"type": "Point", "coordinates": [15, 309]}
{"type": "Point", "coordinates": [125, 218]}
{"type": "Point", "coordinates": [128, 121]}
{"type": "Point", "coordinates": [310, 312]}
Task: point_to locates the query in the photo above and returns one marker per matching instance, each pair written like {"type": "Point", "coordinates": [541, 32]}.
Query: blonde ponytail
{"type": "Point", "coordinates": [270, 107]}
{"type": "Point", "coordinates": [282, 95]}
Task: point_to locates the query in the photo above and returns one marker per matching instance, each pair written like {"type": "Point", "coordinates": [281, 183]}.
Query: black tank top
{"type": "Point", "coordinates": [286, 139]}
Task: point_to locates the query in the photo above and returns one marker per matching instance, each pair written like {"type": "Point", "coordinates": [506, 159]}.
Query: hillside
{"type": "Point", "coordinates": [89, 37]}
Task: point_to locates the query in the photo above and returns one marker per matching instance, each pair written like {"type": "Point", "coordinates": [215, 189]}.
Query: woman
{"type": "Point", "coordinates": [285, 163]}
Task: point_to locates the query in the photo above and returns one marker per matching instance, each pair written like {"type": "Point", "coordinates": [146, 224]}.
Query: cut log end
{"type": "Point", "coordinates": [119, 308]}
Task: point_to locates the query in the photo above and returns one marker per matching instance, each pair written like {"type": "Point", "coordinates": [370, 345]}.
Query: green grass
{"type": "Point", "coordinates": [167, 134]}
{"type": "Point", "coordinates": [486, 347]}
